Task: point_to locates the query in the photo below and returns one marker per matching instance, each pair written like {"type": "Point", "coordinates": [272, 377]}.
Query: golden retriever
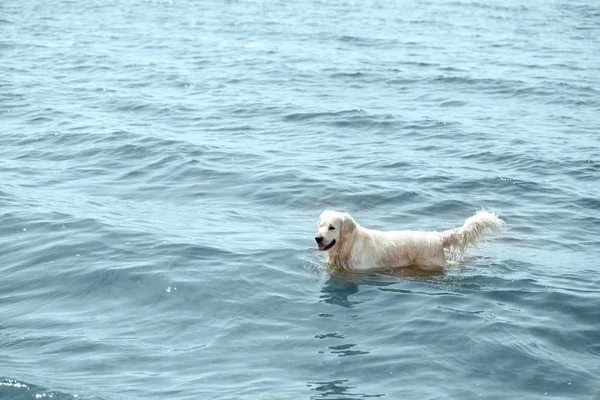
{"type": "Point", "coordinates": [354, 248]}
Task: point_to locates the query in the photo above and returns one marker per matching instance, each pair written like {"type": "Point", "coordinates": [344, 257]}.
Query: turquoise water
{"type": "Point", "coordinates": [163, 164]}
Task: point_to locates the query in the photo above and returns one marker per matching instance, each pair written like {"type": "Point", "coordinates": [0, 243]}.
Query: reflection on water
{"type": "Point", "coordinates": [333, 335]}
{"type": "Point", "coordinates": [341, 285]}
{"type": "Point", "coordinates": [337, 389]}
{"type": "Point", "coordinates": [410, 271]}
{"type": "Point", "coordinates": [337, 290]}
{"type": "Point", "coordinates": [344, 350]}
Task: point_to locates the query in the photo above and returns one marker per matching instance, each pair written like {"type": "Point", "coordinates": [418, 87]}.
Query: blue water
{"type": "Point", "coordinates": [163, 164]}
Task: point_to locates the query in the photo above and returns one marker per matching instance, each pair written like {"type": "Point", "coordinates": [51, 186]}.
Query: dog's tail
{"type": "Point", "coordinates": [472, 232]}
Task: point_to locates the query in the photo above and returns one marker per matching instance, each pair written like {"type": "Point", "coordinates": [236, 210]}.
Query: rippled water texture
{"type": "Point", "coordinates": [163, 164]}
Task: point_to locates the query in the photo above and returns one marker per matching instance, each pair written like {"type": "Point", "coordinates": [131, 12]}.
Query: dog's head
{"type": "Point", "coordinates": [332, 227]}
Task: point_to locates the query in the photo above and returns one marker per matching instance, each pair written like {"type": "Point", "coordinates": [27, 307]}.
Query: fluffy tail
{"type": "Point", "coordinates": [472, 232]}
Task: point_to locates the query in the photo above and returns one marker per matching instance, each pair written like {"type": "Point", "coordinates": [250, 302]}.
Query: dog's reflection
{"type": "Point", "coordinates": [337, 389]}
{"type": "Point", "coordinates": [338, 288]}
{"type": "Point", "coordinates": [341, 284]}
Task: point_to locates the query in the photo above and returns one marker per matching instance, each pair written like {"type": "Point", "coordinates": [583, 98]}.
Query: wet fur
{"type": "Point", "coordinates": [360, 249]}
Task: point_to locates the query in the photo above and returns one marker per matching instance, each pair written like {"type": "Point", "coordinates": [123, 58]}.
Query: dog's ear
{"type": "Point", "coordinates": [348, 224]}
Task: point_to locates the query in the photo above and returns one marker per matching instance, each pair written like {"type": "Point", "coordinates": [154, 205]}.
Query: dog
{"type": "Point", "coordinates": [354, 248]}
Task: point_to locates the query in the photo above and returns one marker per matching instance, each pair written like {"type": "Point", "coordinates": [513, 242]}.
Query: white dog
{"type": "Point", "coordinates": [351, 247]}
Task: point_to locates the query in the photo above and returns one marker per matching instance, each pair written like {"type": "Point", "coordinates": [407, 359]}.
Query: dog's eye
{"type": "Point", "coordinates": [331, 227]}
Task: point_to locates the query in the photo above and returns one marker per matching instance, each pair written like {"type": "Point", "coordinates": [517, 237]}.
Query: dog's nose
{"type": "Point", "coordinates": [319, 239]}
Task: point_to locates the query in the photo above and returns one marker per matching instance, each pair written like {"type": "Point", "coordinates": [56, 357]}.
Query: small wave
{"type": "Point", "coordinates": [318, 115]}
{"type": "Point", "coordinates": [14, 389]}
{"type": "Point", "coordinates": [353, 75]}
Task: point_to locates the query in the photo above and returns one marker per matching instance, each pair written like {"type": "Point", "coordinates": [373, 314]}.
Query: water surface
{"type": "Point", "coordinates": [163, 164]}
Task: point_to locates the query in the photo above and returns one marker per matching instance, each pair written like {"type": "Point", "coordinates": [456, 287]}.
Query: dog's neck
{"type": "Point", "coordinates": [340, 255]}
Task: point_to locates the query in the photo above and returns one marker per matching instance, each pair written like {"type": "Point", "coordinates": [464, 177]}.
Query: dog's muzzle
{"type": "Point", "coordinates": [322, 246]}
